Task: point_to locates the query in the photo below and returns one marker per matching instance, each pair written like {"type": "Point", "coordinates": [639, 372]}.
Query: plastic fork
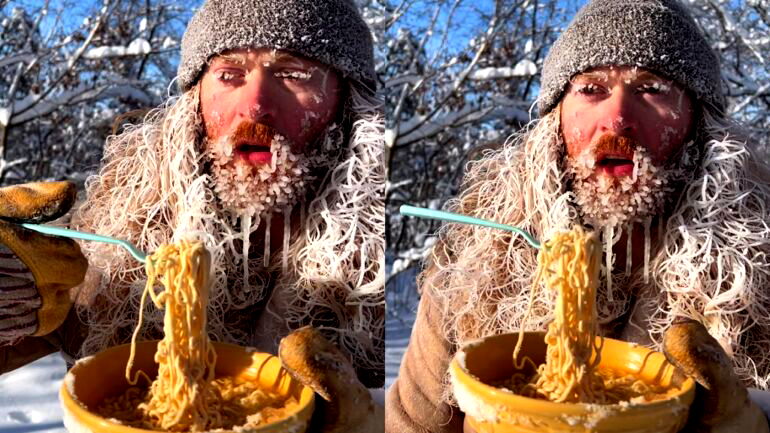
{"type": "Point", "coordinates": [74, 234]}
{"type": "Point", "coordinates": [464, 219]}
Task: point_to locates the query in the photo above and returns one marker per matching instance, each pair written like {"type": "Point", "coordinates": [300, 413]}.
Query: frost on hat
{"type": "Point", "coordinates": [329, 31]}
{"type": "Point", "coordinates": [658, 35]}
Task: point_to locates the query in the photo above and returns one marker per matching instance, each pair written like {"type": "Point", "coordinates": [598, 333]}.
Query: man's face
{"type": "Point", "coordinates": [265, 112]}
{"type": "Point", "coordinates": [297, 97]}
{"type": "Point", "coordinates": [624, 129]}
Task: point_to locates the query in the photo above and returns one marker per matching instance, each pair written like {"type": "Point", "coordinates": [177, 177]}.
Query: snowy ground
{"type": "Point", "coordinates": [29, 399]}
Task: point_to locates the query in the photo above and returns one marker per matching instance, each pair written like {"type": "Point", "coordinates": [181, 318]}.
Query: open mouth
{"type": "Point", "coordinates": [254, 153]}
{"type": "Point", "coordinates": [615, 165]}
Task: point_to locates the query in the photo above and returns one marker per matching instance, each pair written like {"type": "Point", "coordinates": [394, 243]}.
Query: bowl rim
{"type": "Point", "coordinates": [72, 407]}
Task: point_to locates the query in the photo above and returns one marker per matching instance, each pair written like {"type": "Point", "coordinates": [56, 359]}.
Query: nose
{"type": "Point", "coordinates": [255, 100]}
{"type": "Point", "coordinates": [618, 116]}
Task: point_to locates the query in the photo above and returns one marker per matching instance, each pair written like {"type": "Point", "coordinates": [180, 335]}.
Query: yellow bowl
{"type": "Point", "coordinates": [103, 375]}
{"type": "Point", "coordinates": [494, 410]}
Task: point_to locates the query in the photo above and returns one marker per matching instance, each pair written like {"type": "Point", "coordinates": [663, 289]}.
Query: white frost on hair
{"type": "Point", "coordinates": [344, 243]}
{"type": "Point", "coordinates": [713, 265]}
{"type": "Point", "coordinates": [606, 200]}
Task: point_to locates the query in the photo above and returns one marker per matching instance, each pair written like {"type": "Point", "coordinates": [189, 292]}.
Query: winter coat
{"type": "Point", "coordinates": [415, 402]}
{"type": "Point", "coordinates": [26, 351]}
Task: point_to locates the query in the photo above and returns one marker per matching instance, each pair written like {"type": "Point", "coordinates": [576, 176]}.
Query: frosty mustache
{"type": "Point", "coordinates": [613, 144]}
{"type": "Point", "coordinates": [253, 134]}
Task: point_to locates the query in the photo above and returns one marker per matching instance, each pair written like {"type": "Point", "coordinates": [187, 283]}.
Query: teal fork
{"type": "Point", "coordinates": [464, 219]}
{"type": "Point", "coordinates": [74, 234]}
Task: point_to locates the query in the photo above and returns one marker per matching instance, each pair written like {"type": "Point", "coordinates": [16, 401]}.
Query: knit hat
{"type": "Point", "coordinates": [329, 31]}
{"type": "Point", "coordinates": [658, 35]}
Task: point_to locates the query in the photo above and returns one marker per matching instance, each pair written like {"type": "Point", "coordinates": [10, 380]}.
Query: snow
{"type": "Point", "coordinates": [137, 47]}
{"type": "Point", "coordinates": [5, 116]}
{"type": "Point", "coordinates": [169, 42]}
{"type": "Point", "coordinates": [412, 79]}
{"type": "Point", "coordinates": [422, 126]}
{"type": "Point", "coordinates": [32, 106]}
{"type": "Point", "coordinates": [128, 91]}
{"type": "Point", "coordinates": [16, 58]}
{"type": "Point", "coordinates": [390, 137]}
{"type": "Point", "coordinates": [524, 68]}
{"type": "Point", "coordinates": [102, 52]}
{"type": "Point", "coordinates": [29, 397]}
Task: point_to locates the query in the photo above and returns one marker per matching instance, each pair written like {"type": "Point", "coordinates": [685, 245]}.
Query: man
{"type": "Point", "coordinates": [633, 142]}
{"type": "Point", "coordinates": [271, 155]}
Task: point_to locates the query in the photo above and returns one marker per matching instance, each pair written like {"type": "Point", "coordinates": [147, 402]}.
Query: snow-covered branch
{"type": "Point", "coordinates": [524, 68]}
{"type": "Point", "coordinates": [137, 47]}
{"type": "Point", "coordinates": [64, 78]}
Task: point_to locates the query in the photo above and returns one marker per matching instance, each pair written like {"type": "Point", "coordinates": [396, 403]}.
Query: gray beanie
{"type": "Point", "coordinates": [658, 35]}
{"type": "Point", "coordinates": [329, 31]}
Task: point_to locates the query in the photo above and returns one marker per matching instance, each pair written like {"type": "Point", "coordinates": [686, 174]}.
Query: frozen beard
{"type": "Point", "coordinates": [616, 186]}
{"type": "Point", "coordinates": [255, 172]}
{"type": "Point", "coordinates": [609, 200]}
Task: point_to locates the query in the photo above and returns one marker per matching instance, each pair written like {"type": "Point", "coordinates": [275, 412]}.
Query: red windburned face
{"type": "Point", "coordinates": [627, 102]}
{"type": "Point", "coordinates": [296, 97]}
{"type": "Point", "coordinates": [269, 120]}
{"type": "Point", "coordinates": [624, 130]}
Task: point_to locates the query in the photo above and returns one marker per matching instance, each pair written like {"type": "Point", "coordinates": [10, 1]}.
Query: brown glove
{"type": "Point", "coordinates": [347, 407]}
{"type": "Point", "coordinates": [36, 270]}
{"type": "Point", "coordinates": [721, 403]}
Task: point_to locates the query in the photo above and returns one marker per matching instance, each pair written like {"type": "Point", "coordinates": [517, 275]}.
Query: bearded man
{"type": "Point", "coordinates": [634, 143]}
{"type": "Point", "coordinates": [272, 156]}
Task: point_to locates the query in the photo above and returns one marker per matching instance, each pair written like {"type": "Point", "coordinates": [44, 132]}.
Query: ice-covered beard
{"type": "Point", "coordinates": [605, 200]}
{"type": "Point", "coordinates": [245, 188]}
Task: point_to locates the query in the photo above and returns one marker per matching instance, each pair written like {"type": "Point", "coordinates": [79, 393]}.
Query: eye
{"type": "Point", "coordinates": [229, 76]}
{"type": "Point", "coordinates": [655, 88]}
{"type": "Point", "coordinates": [588, 88]}
{"type": "Point", "coordinates": [294, 75]}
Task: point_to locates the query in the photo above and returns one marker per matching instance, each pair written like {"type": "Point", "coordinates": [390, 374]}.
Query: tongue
{"type": "Point", "coordinates": [259, 157]}
{"type": "Point", "coordinates": [617, 168]}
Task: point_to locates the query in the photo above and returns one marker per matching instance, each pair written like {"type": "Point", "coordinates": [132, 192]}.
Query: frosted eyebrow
{"type": "Point", "coordinates": [286, 59]}
{"type": "Point", "coordinates": [649, 76]}
{"type": "Point", "coordinates": [590, 76]}
{"type": "Point", "coordinates": [232, 58]}
{"type": "Point", "coordinates": [281, 56]}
